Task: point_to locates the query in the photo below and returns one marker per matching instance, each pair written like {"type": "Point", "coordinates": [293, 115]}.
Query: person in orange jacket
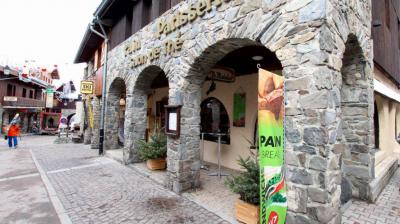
{"type": "Point", "coordinates": [13, 133]}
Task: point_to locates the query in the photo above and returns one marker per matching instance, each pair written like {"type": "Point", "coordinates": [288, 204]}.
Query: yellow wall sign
{"type": "Point", "coordinates": [87, 87]}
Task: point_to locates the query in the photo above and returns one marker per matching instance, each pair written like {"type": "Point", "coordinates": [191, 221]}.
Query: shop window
{"type": "Point", "coordinates": [376, 126]}
{"type": "Point", "coordinates": [164, 5]}
{"type": "Point", "coordinates": [214, 120]}
{"type": "Point", "coordinates": [23, 92]}
{"type": "Point", "coordinates": [146, 12]}
{"type": "Point", "coordinates": [387, 13]}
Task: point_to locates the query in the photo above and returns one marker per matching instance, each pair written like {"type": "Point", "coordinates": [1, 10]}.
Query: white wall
{"type": "Point", "coordinates": [239, 146]}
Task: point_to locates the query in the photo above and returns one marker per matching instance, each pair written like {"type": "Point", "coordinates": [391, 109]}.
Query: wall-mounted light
{"type": "Point", "coordinates": [122, 102]}
{"type": "Point", "coordinates": [7, 70]}
{"type": "Point", "coordinates": [376, 23]}
{"type": "Point", "coordinates": [257, 57]}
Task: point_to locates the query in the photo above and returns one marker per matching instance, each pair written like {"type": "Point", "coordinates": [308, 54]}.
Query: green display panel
{"type": "Point", "coordinates": [273, 194]}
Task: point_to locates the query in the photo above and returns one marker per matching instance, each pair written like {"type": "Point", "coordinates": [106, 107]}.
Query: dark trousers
{"type": "Point", "coordinates": [12, 139]}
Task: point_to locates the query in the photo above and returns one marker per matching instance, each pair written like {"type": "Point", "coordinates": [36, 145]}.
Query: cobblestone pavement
{"type": "Point", "coordinates": [385, 210]}
{"type": "Point", "coordinates": [98, 190]}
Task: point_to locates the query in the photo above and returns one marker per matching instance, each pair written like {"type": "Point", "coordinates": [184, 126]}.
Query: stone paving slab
{"type": "Point", "coordinates": [25, 200]}
{"type": "Point", "coordinates": [112, 193]}
{"type": "Point", "coordinates": [16, 163]}
{"type": "Point", "coordinates": [60, 156]}
{"type": "Point", "coordinates": [385, 210]}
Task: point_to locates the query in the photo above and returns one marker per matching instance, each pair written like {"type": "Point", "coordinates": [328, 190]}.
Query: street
{"type": "Point", "coordinates": [42, 182]}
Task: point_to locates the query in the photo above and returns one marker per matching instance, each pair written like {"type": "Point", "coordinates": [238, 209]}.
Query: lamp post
{"type": "Point", "coordinates": [103, 35]}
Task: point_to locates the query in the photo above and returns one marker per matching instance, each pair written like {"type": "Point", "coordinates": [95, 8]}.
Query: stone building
{"type": "Point", "coordinates": [162, 53]}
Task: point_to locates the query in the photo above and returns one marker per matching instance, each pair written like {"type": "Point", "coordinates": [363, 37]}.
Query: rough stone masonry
{"type": "Point", "coordinates": [325, 49]}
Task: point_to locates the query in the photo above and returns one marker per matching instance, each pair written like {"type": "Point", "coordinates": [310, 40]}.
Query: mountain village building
{"type": "Point", "coordinates": [339, 60]}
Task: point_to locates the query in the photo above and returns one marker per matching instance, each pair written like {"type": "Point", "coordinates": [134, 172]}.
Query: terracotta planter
{"type": "Point", "coordinates": [247, 213]}
{"type": "Point", "coordinates": [156, 164]}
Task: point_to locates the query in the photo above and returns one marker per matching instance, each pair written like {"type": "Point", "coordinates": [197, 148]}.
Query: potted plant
{"type": "Point", "coordinates": [247, 185]}
{"type": "Point", "coordinates": [154, 151]}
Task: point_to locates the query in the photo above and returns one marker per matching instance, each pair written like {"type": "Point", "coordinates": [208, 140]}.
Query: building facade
{"type": "Point", "coordinates": [168, 52]}
{"type": "Point", "coordinates": [23, 93]}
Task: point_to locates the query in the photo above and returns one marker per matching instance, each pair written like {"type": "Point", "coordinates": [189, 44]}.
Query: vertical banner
{"type": "Point", "coordinates": [273, 195]}
{"type": "Point", "coordinates": [49, 98]}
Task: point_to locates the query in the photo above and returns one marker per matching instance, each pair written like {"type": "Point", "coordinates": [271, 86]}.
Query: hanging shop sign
{"type": "Point", "coordinates": [87, 87]}
{"type": "Point", "coordinates": [239, 109]}
{"type": "Point", "coordinates": [222, 74]}
{"type": "Point", "coordinates": [273, 193]}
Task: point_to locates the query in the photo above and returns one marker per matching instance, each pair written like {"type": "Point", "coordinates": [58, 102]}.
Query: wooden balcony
{"type": "Point", "coordinates": [21, 102]}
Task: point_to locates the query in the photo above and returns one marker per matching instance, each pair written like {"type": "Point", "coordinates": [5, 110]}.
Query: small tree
{"type": "Point", "coordinates": [247, 183]}
{"type": "Point", "coordinates": [156, 148]}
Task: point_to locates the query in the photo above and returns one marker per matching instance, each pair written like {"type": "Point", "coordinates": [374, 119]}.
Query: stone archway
{"type": "Point", "coordinates": [115, 114]}
{"type": "Point", "coordinates": [148, 79]}
{"type": "Point", "coordinates": [356, 123]}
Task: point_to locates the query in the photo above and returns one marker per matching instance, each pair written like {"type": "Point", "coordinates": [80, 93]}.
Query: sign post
{"type": "Point", "coordinates": [273, 195]}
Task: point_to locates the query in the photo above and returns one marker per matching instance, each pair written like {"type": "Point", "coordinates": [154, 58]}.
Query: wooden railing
{"type": "Point", "coordinates": [22, 102]}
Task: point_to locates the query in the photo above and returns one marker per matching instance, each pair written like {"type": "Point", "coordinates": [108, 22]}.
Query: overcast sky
{"type": "Point", "coordinates": [47, 32]}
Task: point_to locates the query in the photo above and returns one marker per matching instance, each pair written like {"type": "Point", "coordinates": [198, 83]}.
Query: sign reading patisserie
{"type": "Point", "coordinates": [164, 27]}
{"type": "Point", "coordinates": [183, 17]}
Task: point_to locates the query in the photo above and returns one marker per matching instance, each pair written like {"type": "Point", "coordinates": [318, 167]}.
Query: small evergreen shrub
{"type": "Point", "coordinates": [247, 183]}
{"type": "Point", "coordinates": [156, 148]}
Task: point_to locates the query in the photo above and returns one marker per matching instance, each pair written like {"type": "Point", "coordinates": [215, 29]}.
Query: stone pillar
{"type": "Point", "coordinates": [95, 131]}
{"type": "Point", "coordinates": [138, 122]}
{"type": "Point", "coordinates": [184, 152]}
{"type": "Point", "coordinates": [111, 121]}
{"type": "Point", "coordinates": [85, 123]}
{"type": "Point", "coordinates": [128, 129]}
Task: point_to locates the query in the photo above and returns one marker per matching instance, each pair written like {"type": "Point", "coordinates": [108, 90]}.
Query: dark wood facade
{"type": "Point", "coordinates": [135, 17]}
{"type": "Point", "coordinates": [386, 36]}
{"type": "Point", "coordinates": [28, 95]}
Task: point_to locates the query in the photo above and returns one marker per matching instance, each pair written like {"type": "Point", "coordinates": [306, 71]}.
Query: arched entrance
{"type": "Point", "coordinates": [115, 115]}
{"type": "Point", "coordinates": [150, 95]}
{"type": "Point", "coordinates": [356, 123]}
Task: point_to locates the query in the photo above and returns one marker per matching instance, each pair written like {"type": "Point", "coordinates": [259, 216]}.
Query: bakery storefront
{"type": "Point", "coordinates": [203, 59]}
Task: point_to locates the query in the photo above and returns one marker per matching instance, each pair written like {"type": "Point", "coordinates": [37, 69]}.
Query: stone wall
{"type": "Point", "coordinates": [95, 130]}
{"type": "Point", "coordinates": [309, 38]}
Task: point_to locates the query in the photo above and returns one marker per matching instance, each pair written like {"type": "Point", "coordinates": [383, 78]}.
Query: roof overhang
{"type": "Point", "coordinates": [386, 91]}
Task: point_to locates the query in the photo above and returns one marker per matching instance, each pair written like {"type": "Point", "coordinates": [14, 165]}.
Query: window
{"type": "Point", "coordinates": [387, 13]}
{"type": "Point", "coordinates": [214, 120]}
{"type": "Point", "coordinates": [398, 32]}
{"type": "Point", "coordinates": [10, 90]}
{"type": "Point", "coordinates": [23, 92]}
{"type": "Point", "coordinates": [31, 94]}
{"type": "Point", "coordinates": [376, 126]}
{"type": "Point", "coordinates": [146, 12]}
{"type": "Point", "coordinates": [164, 5]}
